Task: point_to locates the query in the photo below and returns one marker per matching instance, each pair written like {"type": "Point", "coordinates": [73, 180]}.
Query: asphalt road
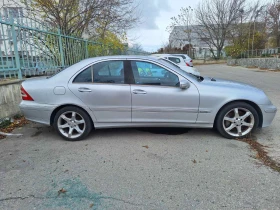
{"type": "Point", "coordinates": [269, 82]}
{"type": "Point", "coordinates": [153, 169]}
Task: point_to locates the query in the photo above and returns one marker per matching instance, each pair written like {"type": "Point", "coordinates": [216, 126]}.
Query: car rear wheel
{"type": "Point", "coordinates": [72, 123]}
{"type": "Point", "coordinates": [237, 120]}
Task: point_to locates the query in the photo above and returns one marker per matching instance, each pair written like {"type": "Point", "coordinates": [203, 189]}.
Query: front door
{"type": "Point", "coordinates": [103, 88]}
{"type": "Point", "coordinates": [157, 97]}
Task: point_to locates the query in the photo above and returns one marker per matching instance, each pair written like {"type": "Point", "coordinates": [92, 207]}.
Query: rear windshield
{"type": "Point", "coordinates": [183, 56]}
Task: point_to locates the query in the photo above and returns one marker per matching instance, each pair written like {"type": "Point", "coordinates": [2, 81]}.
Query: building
{"type": "Point", "coordinates": [181, 36]}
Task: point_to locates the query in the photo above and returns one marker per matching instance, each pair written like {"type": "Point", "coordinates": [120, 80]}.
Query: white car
{"type": "Point", "coordinates": [186, 58]}
{"type": "Point", "coordinates": [179, 62]}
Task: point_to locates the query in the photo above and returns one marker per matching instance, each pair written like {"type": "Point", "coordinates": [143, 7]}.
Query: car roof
{"type": "Point", "coordinates": [72, 70]}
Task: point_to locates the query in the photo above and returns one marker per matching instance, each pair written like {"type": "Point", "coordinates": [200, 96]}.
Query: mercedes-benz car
{"type": "Point", "coordinates": [135, 91]}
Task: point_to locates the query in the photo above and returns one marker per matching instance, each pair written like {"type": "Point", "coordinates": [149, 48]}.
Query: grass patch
{"type": "Point", "coordinates": [5, 124]}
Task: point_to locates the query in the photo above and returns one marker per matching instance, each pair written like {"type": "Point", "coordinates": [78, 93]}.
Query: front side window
{"type": "Point", "coordinates": [146, 73]}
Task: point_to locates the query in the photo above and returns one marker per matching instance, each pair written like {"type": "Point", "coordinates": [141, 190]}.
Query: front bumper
{"type": "Point", "coordinates": [36, 112]}
{"type": "Point", "coordinates": [269, 112]}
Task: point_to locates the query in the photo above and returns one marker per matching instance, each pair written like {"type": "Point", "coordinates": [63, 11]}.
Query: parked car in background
{"type": "Point", "coordinates": [108, 92]}
{"type": "Point", "coordinates": [187, 69]}
{"type": "Point", "coordinates": [187, 59]}
{"type": "Point", "coordinates": [179, 61]}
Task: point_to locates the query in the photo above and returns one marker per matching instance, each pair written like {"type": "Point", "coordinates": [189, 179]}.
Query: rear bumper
{"type": "Point", "coordinates": [269, 112]}
{"type": "Point", "coordinates": [33, 111]}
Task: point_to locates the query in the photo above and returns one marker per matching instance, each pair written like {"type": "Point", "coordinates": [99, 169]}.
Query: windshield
{"type": "Point", "coordinates": [174, 66]}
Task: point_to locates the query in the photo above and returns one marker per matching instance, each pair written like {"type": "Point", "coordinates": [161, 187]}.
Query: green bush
{"type": "Point", "coordinates": [5, 123]}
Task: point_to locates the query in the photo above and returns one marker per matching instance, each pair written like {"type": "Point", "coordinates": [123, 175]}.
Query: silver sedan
{"type": "Point", "coordinates": [135, 91]}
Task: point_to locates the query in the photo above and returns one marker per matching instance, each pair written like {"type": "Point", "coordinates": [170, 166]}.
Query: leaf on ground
{"type": "Point", "coordinates": [194, 161]}
{"type": "Point", "coordinates": [206, 150]}
{"type": "Point", "coordinates": [61, 191]}
{"type": "Point", "coordinates": [91, 205]}
{"type": "Point", "coordinates": [16, 124]}
{"type": "Point", "coordinates": [146, 146]}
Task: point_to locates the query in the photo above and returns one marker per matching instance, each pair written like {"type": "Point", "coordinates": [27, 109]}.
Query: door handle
{"type": "Point", "coordinates": [139, 91]}
{"type": "Point", "coordinates": [83, 89]}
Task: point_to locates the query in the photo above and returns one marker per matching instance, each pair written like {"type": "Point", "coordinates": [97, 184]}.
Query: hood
{"type": "Point", "coordinates": [229, 83]}
{"type": "Point", "coordinates": [234, 90]}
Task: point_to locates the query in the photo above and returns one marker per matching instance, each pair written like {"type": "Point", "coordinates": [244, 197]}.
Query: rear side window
{"type": "Point", "coordinates": [108, 72]}
{"type": "Point", "coordinates": [85, 76]}
{"type": "Point", "coordinates": [175, 60]}
{"type": "Point", "coordinates": [103, 72]}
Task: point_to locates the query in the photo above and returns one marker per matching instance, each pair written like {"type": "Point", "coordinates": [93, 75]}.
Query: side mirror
{"type": "Point", "coordinates": [184, 84]}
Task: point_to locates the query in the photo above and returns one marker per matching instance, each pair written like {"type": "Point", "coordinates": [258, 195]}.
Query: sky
{"type": "Point", "coordinates": [155, 16]}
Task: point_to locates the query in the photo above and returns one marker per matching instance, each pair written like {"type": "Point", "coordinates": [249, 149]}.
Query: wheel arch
{"type": "Point", "coordinates": [253, 104]}
{"type": "Point", "coordinates": [65, 105]}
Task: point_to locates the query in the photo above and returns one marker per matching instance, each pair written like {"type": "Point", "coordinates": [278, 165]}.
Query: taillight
{"type": "Point", "coordinates": [187, 64]}
{"type": "Point", "coordinates": [24, 95]}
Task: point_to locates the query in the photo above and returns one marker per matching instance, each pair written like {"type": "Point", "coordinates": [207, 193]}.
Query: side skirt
{"type": "Point", "coordinates": [178, 125]}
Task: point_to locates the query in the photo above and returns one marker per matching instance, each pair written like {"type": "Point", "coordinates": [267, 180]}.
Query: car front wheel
{"type": "Point", "coordinates": [72, 123]}
{"type": "Point", "coordinates": [237, 120]}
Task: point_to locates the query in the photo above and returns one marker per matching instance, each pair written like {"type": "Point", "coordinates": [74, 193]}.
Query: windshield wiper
{"type": "Point", "coordinates": [198, 77]}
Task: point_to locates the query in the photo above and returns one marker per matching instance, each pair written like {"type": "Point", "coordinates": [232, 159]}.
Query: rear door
{"type": "Point", "coordinates": [104, 89]}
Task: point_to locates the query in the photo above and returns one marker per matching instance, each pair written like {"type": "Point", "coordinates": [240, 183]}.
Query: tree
{"type": "Point", "coordinates": [248, 31]}
{"type": "Point", "coordinates": [238, 49]}
{"type": "Point", "coordinates": [273, 22]}
{"type": "Point", "coordinates": [183, 22]}
{"type": "Point", "coordinates": [214, 19]}
{"type": "Point", "coordinates": [117, 17]}
{"type": "Point", "coordinates": [91, 17]}
{"type": "Point", "coordinates": [111, 44]}
{"type": "Point", "coordinates": [72, 17]}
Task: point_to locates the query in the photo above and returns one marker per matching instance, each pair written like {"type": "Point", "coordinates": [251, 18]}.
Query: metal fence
{"type": "Point", "coordinates": [29, 48]}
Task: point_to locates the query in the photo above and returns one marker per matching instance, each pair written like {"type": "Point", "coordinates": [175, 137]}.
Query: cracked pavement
{"type": "Point", "coordinates": [155, 169]}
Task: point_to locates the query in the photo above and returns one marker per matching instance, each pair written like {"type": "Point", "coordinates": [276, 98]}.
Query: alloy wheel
{"type": "Point", "coordinates": [71, 124]}
{"type": "Point", "coordinates": [238, 122]}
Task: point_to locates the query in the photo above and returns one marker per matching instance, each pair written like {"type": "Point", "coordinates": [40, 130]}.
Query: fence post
{"type": "Point", "coordinates": [86, 46]}
{"type": "Point", "coordinates": [14, 35]}
{"type": "Point", "coordinates": [61, 49]}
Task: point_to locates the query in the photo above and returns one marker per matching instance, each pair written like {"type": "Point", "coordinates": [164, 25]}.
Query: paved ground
{"type": "Point", "coordinates": [266, 80]}
{"type": "Point", "coordinates": [191, 169]}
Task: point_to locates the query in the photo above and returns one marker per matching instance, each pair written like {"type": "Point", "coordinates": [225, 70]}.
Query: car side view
{"type": "Point", "coordinates": [136, 91]}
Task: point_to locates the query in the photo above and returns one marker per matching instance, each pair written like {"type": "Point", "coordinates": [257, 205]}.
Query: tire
{"type": "Point", "coordinates": [72, 123]}
{"type": "Point", "coordinates": [237, 120]}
